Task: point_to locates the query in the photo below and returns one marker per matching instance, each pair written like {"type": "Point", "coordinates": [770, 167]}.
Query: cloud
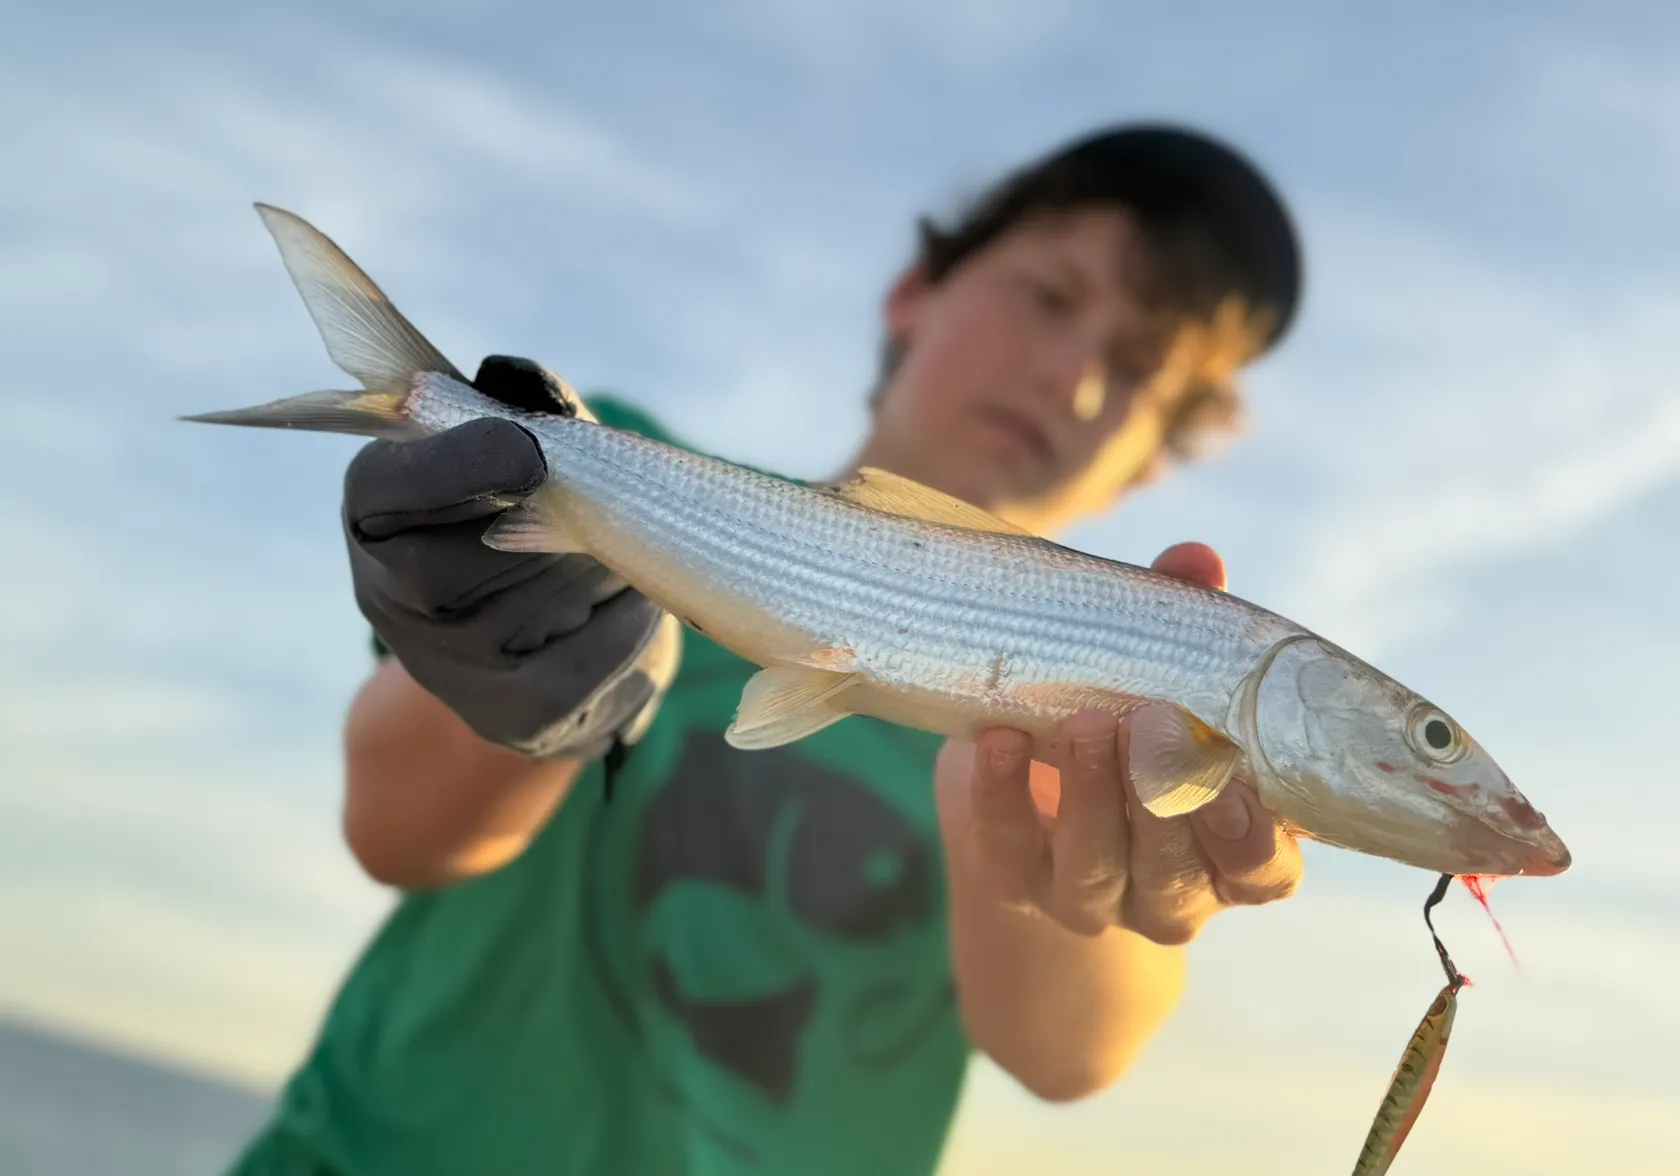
{"type": "Point", "coordinates": [482, 119]}
{"type": "Point", "coordinates": [177, 641]}
{"type": "Point", "coordinates": [1619, 99]}
{"type": "Point", "coordinates": [855, 40]}
{"type": "Point", "coordinates": [1443, 412]}
{"type": "Point", "coordinates": [140, 214]}
{"type": "Point", "coordinates": [1380, 568]}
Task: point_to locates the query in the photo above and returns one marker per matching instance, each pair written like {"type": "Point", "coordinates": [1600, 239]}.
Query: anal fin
{"type": "Point", "coordinates": [783, 704]}
{"type": "Point", "coordinates": [1177, 763]}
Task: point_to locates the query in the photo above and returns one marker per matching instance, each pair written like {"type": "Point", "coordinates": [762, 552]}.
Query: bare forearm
{"type": "Point", "coordinates": [1064, 1013]}
{"type": "Point", "coordinates": [428, 802]}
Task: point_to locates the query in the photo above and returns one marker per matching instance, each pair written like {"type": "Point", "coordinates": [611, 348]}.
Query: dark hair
{"type": "Point", "coordinates": [1179, 272]}
{"type": "Point", "coordinates": [1183, 268]}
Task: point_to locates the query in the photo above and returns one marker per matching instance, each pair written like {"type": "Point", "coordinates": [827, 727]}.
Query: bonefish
{"type": "Point", "coordinates": [875, 595]}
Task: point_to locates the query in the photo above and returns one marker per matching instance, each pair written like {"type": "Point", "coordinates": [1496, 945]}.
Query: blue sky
{"type": "Point", "coordinates": [1465, 464]}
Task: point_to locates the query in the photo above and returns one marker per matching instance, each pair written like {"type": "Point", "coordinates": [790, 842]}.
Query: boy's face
{"type": "Point", "coordinates": [1021, 369]}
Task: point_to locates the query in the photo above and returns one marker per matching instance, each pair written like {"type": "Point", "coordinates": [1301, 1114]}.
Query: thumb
{"type": "Point", "coordinates": [448, 477]}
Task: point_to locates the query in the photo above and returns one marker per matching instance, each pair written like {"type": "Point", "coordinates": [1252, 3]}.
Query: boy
{"type": "Point", "coordinates": [625, 947]}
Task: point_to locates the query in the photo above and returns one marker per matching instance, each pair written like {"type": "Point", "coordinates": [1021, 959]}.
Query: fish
{"type": "Point", "coordinates": [875, 595]}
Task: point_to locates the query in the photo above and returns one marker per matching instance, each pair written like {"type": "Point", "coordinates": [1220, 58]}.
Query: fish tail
{"type": "Point", "coordinates": [365, 335]}
{"type": "Point", "coordinates": [363, 414]}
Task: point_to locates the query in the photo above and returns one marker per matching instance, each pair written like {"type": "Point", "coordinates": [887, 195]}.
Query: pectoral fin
{"type": "Point", "coordinates": [1178, 763]}
{"type": "Point", "coordinates": [785, 703]}
{"type": "Point", "coordinates": [536, 525]}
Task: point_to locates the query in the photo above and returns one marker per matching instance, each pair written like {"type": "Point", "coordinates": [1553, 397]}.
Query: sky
{"type": "Point", "coordinates": [1464, 464]}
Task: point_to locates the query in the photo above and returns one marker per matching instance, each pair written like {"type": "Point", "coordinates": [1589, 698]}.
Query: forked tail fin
{"type": "Point", "coordinates": [365, 414]}
{"type": "Point", "coordinates": [364, 334]}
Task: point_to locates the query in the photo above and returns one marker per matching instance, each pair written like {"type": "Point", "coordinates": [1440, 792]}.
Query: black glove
{"type": "Point", "coordinates": [534, 652]}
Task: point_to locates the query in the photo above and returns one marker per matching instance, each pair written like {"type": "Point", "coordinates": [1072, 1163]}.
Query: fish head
{"type": "Point", "coordinates": [1352, 758]}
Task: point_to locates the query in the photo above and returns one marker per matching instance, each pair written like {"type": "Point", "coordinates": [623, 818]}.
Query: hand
{"type": "Point", "coordinates": [1074, 843]}
{"type": "Point", "coordinates": [550, 655]}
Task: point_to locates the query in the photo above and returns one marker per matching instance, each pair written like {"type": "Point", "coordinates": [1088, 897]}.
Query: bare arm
{"type": "Point", "coordinates": [1066, 1013]}
{"type": "Point", "coordinates": [429, 803]}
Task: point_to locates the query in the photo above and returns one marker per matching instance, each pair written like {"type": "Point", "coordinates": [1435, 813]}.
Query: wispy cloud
{"type": "Point", "coordinates": [1618, 102]}
{"type": "Point", "coordinates": [1577, 424]}
{"type": "Point", "coordinates": [177, 639]}
{"type": "Point", "coordinates": [859, 40]}
{"type": "Point", "coordinates": [469, 119]}
{"type": "Point", "coordinates": [1440, 412]}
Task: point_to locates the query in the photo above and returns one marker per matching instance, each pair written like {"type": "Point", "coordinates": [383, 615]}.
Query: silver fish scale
{"type": "Point", "coordinates": [918, 604]}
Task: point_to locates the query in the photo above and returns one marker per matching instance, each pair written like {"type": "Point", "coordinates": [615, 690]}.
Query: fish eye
{"type": "Point", "coordinates": [1435, 736]}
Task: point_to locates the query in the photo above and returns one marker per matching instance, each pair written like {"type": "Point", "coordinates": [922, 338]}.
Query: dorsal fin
{"type": "Point", "coordinates": [894, 494]}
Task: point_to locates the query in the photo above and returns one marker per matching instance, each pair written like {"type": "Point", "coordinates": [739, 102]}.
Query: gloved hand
{"type": "Point", "coordinates": [548, 655]}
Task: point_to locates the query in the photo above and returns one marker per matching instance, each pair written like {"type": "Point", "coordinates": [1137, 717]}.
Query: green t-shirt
{"type": "Point", "coordinates": [738, 964]}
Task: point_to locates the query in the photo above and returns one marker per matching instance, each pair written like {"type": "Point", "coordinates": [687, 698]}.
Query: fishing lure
{"type": "Point", "coordinates": [1414, 1077]}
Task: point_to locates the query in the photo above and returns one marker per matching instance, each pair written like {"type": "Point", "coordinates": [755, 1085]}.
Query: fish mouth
{"type": "Point", "coordinates": [1477, 846]}
{"type": "Point", "coordinates": [1548, 854]}
{"type": "Point", "coordinates": [1547, 865]}
{"type": "Point", "coordinates": [1436, 836]}
{"type": "Point", "coordinates": [1522, 833]}
{"type": "Point", "coordinates": [1549, 858]}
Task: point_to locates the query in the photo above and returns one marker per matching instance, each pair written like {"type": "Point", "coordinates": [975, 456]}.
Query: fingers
{"type": "Point", "coordinates": [522, 383]}
{"type": "Point", "coordinates": [1196, 562]}
{"type": "Point", "coordinates": [1088, 847]}
{"type": "Point", "coordinates": [1105, 859]}
{"type": "Point", "coordinates": [576, 591]}
{"type": "Point", "coordinates": [415, 515]}
{"type": "Point", "coordinates": [1170, 893]}
{"type": "Point", "coordinates": [1010, 845]}
{"type": "Point", "coordinates": [1254, 861]}
{"type": "Point", "coordinates": [439, 572]}
{"type": "Point", "coordinates": [446, 478]}
{"type": "Point", "coordinates": [567, 629]}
